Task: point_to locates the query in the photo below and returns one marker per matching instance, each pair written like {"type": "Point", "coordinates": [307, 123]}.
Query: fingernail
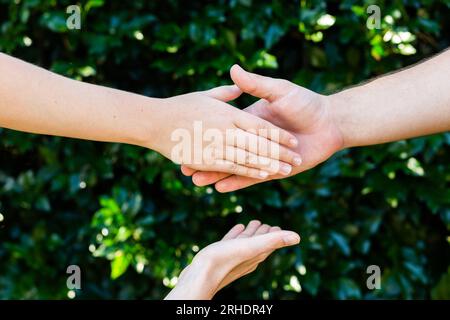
{"type": "Point", "coordinates": [293, 142]}
{"type": "Point", "coordinates": [263, 174]}
{"type": "Point", "coordinates": [286, 169]}
{"type": "Point", "coordinates": [297, 161]}
{"type": "Point", "coordinates": [291, 239]}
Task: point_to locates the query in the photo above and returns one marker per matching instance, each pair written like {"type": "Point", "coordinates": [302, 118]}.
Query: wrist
{"type": "Point", "coordinates": [143, 122]}
{"type": "Point", "coordinates": [339, 109]}
{"type": "Point", "coordinates": [197, 282]}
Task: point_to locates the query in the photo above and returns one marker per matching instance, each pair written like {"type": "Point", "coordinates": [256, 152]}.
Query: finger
{"type": "Point", "coordinates": [227, 166]}
{"type": "Point", "coordinates": [249, 159]}
{"type": "Point", "coordinates": [264, 228]}
{"type": "Point", "coordinates": [275, 228]}
{"type": "Point", "coordinates": [265, 129]}
{"type": "Point", "coordinates": [259, 109]}
{"type": "Point", "coordinates": [259, 86]}
{"type": "Point", "coordinates": [250, 230]}
{"type": "Point", "coordinates": [187, 171]}
{"type": "Point", "coordinates": [203, 178]}
{"type": "Point", "coordinates": [258, 145]}
{"type": "Point", "coordinates": [234, 232]}
{"type": "Point", "coordinates": [224, 93]}
{"type": "Point", "coordinates": [233, 183]}
{"type": "Point", "coordinates": [272, 241]}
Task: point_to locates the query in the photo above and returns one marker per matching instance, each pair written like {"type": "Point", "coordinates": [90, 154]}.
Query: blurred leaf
{"type": "Point", "coordinates": [119, 265]}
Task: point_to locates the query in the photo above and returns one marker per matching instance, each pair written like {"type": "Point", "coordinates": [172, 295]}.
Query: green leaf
{"type": "Point", "coordinates": [272, 35]}
{"type": "Point", "coordinates": [311, 282]}
{"type": "Point", "coordinates": [55, 21]}
{"type": "Point", "coordinates": [341, 242]}
{"type": "Point", "coordinates": [119, 265]}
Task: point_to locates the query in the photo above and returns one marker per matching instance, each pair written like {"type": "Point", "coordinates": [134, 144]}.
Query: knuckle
{"type": "Point", "coordinates": [285, 84]}
{"type": "Point", "coordinates": [282, 105]}
{"type": "Point", "coordinates": [248, 157]}
{"type": "Point", "coordinates": [216, 156]}
{"type": "Point", "coordinates": [254, 86]}
{"type": "Point", "coordinates": [233, 167]}
{"type": "Point", "coordinates": [263, 124]}
{"type": "Point", "coordinates": [277, 105]}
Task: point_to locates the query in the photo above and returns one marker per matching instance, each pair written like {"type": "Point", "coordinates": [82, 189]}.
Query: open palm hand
{"type": "Point", "coordinates": [239, 253]}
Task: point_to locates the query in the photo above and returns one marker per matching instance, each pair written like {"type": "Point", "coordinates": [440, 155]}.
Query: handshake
{"type": "Point", "coordinates": [312, 127]}
{"type": "Point", "coordinates": [288, 130]}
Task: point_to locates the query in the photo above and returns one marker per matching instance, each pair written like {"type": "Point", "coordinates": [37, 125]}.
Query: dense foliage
{"type": "Point", "coordinates": [131, 221]}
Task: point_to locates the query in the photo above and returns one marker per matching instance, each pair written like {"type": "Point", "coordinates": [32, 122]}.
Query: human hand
{"type": "Point", "coordinates": [306, 114]}
{"type": "Point", "coordinates": [239, 253]}
{"type": "Point", "coordinates": [244, 143]}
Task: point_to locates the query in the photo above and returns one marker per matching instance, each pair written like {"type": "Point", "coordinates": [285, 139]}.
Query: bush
{"type": "Point", "coordinates": [131, 221]}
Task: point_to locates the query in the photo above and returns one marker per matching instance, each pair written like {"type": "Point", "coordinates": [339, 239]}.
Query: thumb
{"type": "Point", "coordinates": [273, 240]}
{"type": "Point", "coordinates": [224, 93]}
{"type": "Point", "coordinates": [259, 86]}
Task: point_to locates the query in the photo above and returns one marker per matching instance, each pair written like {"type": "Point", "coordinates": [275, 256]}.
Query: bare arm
{"type": "Point", "coordinates": [37, 101]}
{"type": "Point", "coordinates": [410, 103]}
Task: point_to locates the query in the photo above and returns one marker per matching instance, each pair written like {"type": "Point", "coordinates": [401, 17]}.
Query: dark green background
{"type": "Point", "coordinates": [387, 205]}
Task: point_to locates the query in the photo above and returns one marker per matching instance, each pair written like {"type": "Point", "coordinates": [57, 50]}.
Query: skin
{"type": "Point", "coordinates": [239, 253]}
{"type": "Point", "coordinates": [38, 101]}
{"type": "Point", "coordinates": [407, 104]}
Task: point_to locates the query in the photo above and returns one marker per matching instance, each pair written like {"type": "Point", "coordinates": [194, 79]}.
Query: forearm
{"type": "Point", "coordinates": [407, 104]}
{"type": "Point", "coordinates": [38, 101]}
